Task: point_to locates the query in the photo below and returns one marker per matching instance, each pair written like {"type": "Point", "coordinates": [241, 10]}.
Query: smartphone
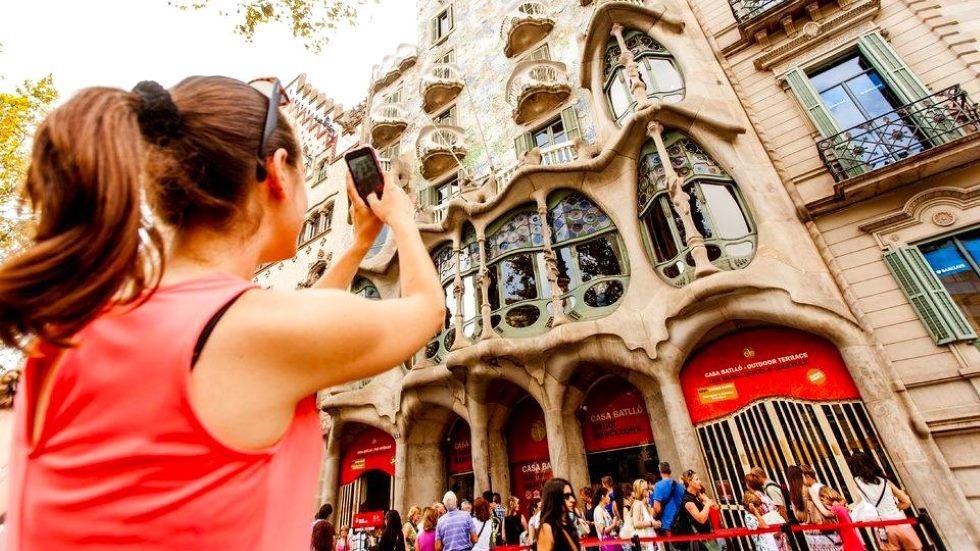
{"type": "Point", "coordinates": [366, 171]}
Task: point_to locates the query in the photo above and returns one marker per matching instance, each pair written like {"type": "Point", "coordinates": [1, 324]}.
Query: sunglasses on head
{"type": "Point", "coordinates": [271, 88]}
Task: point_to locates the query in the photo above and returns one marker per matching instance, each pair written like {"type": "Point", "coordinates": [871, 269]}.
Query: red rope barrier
{"type": "Point", "coordinates": [727, 533]}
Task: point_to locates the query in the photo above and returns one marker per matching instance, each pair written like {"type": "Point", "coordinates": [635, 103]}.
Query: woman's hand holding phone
{"type": "Point", "coordinates": [395, 208]}
{"type": "Point", "coordinates": [367, 225]}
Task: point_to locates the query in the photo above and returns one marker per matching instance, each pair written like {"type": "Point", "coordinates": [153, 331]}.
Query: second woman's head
{"type": "Point", "coordinates": [557, 500]}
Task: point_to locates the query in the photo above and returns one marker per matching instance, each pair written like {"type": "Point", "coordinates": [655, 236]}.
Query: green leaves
{"type": "Point", "coordinates": [313, 21]}
{"type": "Point", "coordinates": [20, 113]}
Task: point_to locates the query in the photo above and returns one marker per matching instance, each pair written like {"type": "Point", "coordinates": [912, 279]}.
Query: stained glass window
{"type": "Point", "coordinates": [445, 263]}
{"type": "Point", "coordinates": [687, 158]}
{"type": "Point", "coordinates": [523, 230]}
{"type": "Point", "coordinates": [575, 216]}
{"type": "Point", "coordinates": [364, 287]}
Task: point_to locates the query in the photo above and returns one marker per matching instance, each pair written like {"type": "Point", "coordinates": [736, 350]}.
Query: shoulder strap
{"type": "Point", "coordinates": [209, 328]}
{"type": "Point", "coordinates": [884, 488]}
{"type": "Point", "coordinates": [571, 542]}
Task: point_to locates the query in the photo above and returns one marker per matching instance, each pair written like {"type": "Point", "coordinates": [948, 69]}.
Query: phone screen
{"type": "Point", "coordinates": [365, 174]}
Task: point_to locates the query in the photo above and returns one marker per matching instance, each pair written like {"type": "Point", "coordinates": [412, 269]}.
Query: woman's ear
{"type": "Point", "coordinates": [276, 167]}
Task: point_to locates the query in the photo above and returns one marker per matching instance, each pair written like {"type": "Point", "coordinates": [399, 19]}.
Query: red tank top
{"type": "Point", "coordinates": [122, 460]}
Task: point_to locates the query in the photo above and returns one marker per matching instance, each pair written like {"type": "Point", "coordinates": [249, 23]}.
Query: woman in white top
{"type": "Point", "coordinates": [605, 525]}
{"type": "Point", "coordinates": [644, 525]}
{"type": "Point", "coordinates": [482, 528]}
{"type": "Point", "coordinates": [888, 499]}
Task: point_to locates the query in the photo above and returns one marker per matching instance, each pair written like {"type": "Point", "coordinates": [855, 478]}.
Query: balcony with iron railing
{"type": "Point", "coordinates": [441, 84]}
{"type": "Point", "coordinates": [756, 18]}
{"type": "Point", "coordinates": [527, 22]}
{"type": "Point", "coordinates": [439, 149]}
{"type": "Point", "coordinates": [537, 87]}
{"type": "Point", "coordinates": [388, 121]}
{"type": "Point", "coordinates": [912, 130]}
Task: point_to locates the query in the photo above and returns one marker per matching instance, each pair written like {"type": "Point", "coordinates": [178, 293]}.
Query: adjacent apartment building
{"type": "Point", "coordinates": [718, 233]}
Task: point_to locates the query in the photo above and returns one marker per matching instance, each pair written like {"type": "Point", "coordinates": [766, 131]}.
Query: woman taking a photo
{"type": "Point", "coordinates": [557, 533]}
{"type": "Point", "coordinates": [168, 402]}
{"type": "Point", "coordinates": [605, 525]}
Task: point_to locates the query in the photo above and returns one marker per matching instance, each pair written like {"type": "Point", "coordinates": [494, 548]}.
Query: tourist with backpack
{"type": "Point", "coordinates": [667, 496]}
{"type": "Point", "coordinates": [777, 493]}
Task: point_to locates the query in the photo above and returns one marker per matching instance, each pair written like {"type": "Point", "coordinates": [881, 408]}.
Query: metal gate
{"type": "Point", "coordinates": [778, 432]}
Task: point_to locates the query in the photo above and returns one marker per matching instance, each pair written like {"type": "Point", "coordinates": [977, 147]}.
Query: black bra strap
{"type": "Point", "coordinates": [209, 328]}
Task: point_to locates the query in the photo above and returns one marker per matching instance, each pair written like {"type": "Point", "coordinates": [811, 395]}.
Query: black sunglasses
{"type": "Point", "coordinates": [271, 117]}
{"type": "Point", "coordinates": [569, 495]}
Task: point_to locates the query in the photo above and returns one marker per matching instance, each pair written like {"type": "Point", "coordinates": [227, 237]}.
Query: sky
{"type": "Point", "coordinates": [121, 42]}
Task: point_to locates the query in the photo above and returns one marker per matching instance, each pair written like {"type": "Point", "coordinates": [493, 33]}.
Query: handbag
{"type": "Point", "coordinates": [627, 531]}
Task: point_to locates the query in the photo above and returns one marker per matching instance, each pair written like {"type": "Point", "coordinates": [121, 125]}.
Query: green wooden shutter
{"type": "Point", "coordinates": [893, 70]}
{"type": "Point", "coordinates": [808, 97]}
{"type": "Point", "coordinates": [430, 196]}
{"type": "Point", "coordinates": [940, 315]}
{"type": "Point", "coordinates": [434, 29]}
{"type": "Point", "coordinates": [523, 144]}
{"type": "Point", "coordinates": [907, 86]}
{"type": "Point", "coordinates": [810, 100]}
{"type": "Point", "coordinates": [569, 119]}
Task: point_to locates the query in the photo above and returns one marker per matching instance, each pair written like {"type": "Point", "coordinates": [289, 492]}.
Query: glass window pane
{"type": "Point", "coordinates": [837, 73]}
{"type": "Point", "coordinates": [619, 95]}
{"type": "Point", "coordinates": [471, 294]}
{"type": "Point", "coordinates": [872, 94]}
{"type": "Point", "coordinates": [517, 275]}
{"type": "Point", "coordinates": [542, 138]}
{"type": "Point", "coordinates": [661, 235]}
{"type": "Point", "coordinates": [494, 290]}
{"type": "Point", "coordinates": [450, 305]}
{"type": "Point", "coordinates": [730, 222]}
{"type": "Point", "coordinates": [699, 213]}
{"type": "Point", "coordinates": [379, 242]}
{"type": "Point", "coordinates": [842, 107]}
{"type": "Point", "coordinates": [597, 258]}
{"type": "Point", "coordinates": [662, 76]}
{"type": "Point", "coordinates": [566, 274]}
{"type": "Point", "coordinates": [957, 276]}
{"type": "Point", "coordinates": [971, 240]}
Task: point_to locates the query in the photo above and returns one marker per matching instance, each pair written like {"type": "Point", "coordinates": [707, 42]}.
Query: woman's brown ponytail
{"type": "Point", "coordinates": [84, 187]}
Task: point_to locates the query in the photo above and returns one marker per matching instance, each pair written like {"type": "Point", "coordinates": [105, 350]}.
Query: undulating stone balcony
{"type": "Point", "coordinates": [388, 121]}
{"type": "Point", "coordinates": [441, 84]}
{"type": "Point", "coordinates": [440, 149]}
{"type": "Point", "coordinates": [537, 87]}
{"type": "Point", "coordinates": [911, 130]}
{"type": "Point", "coordinates": [393, 66]}
{"type": "Point", "coordinates": [527, 22]}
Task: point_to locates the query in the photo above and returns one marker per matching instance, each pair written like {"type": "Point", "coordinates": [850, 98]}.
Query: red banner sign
{"type": "Point", "coordinates": [527, 437]}
{"type": "Point", "coordinates": [460, 453]}
{"type": "Point", "coordinates": [742, 368]}
{"type": "Point", "coordinates": [615, 416]}
{"type": "Point", "coordinates": [527, 479]}
{"type": "Point", "coordinates": [372, 449]}
{"type": "Point", "coordinates": [527, 446]}
{"type": "Point", "coordinates": [370, 519]}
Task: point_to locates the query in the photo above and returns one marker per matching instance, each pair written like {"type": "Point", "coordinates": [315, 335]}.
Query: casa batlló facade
{"type": "Point", "coordinates": [717, 233]}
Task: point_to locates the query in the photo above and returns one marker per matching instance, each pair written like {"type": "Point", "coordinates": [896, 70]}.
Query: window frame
{"type": "Point", "coordinates": [618, 73]}
{"type": "Point", "coordinates": [436, 37]}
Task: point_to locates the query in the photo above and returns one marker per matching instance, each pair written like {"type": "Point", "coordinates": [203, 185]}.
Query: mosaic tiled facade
{"type": "Point", "coordinates": [814, 227]}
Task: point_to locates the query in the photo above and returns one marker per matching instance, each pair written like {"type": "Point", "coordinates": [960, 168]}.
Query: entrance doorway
{"type": "Point", "coordinates": [459, 460]}
{"type": "Point", "coordinates": [616, 431]}
{"type": "Point", "coordinates": [367, 468]}
{"type": "Point", "coordinates": [775, 397]}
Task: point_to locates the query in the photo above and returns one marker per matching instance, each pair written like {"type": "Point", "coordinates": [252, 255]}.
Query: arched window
{"type": "Point", "coordinates": [362, 286]}
{"type": "Point", "coordinates": [518, 281]}
{"type": "Point", "coordinates": [444, 259]}
{"type": "Point", "coordinates": [657, 69]}
{"type": "Point", "coordinates": [717, 207]}
{"type": "Point", "coordinates": [591, 261]}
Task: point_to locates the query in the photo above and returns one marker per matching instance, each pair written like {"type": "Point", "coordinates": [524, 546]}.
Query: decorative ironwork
{"type": "Point", "coordinates": [748, 10]}
{"type": "Point", "coordinates": [900, 134]}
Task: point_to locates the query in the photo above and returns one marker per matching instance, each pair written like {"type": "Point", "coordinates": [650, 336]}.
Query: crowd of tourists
{"type": "Point", "coordinates": [611, 513]}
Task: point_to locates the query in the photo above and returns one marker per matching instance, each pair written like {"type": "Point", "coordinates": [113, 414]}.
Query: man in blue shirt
{"type": "Point", "coordinates": [454, 529]}
{"type": "Point", "coordinates": [667, 497]}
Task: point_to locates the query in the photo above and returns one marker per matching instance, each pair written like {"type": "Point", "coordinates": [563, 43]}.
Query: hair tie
{"type": "Point", "coordinates": [159, 119]}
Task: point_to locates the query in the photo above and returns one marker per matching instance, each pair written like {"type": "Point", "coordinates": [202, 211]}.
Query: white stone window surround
{"type": "Point", "coordinates": [927, 216]}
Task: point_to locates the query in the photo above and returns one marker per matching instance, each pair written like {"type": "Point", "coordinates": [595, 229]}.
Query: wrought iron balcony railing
{"type": "Point", "coordinates": [900, 134]}
{"type": "Point", "coordinates": [746, 11]}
